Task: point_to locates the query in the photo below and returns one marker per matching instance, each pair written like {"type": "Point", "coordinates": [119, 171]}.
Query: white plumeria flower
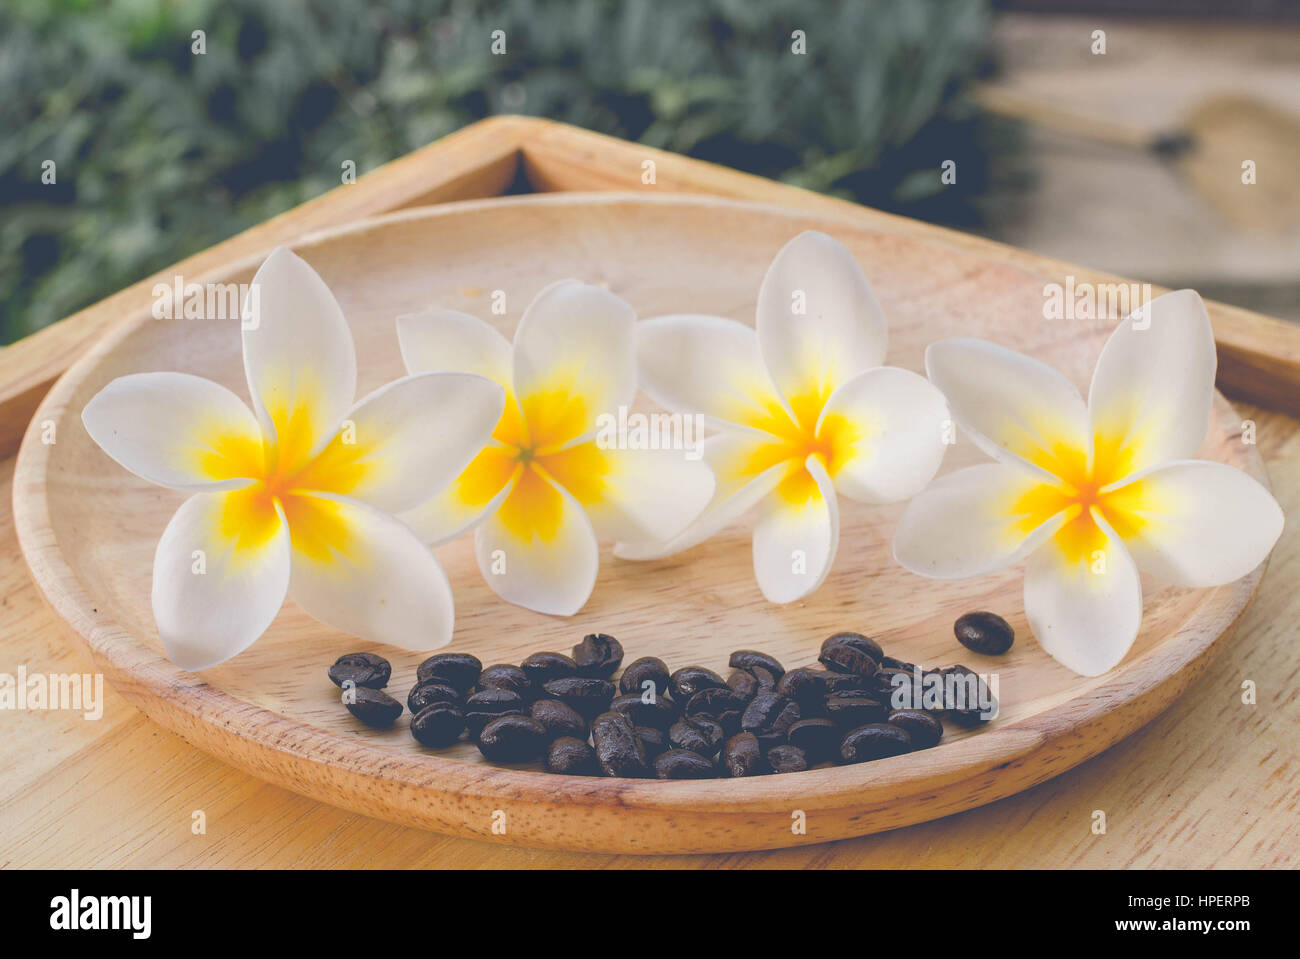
{"type": "Point", "coordinates": [805, 409]}
{"type": "Point", "coordinates": [1090, 493]}
{"type": "Point", "coordinates": [544, 490]}
{"type": "Point", "coordinates": [295, 499]}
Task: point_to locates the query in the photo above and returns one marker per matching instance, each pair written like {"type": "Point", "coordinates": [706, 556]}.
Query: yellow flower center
{"type": "Point", "coordinates": [833, 441]}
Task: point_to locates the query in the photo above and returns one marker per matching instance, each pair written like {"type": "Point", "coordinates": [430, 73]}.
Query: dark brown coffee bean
{"type": "Point", "coordinates": [851, 653]}
{"type": "Point", "coordinates": [804, 686]}
{"type": "Point", "coordinates": [787, 759]}
{"type": "Point", "coordinates": [839, 681]}
{"type": "Point", "coordinates": [560, 719]}
{"type": "Point", "coordinates": [647, 669]}
{"type": "Point", "coordinates": [571, 757]}
{"type": "Point", "coordinates": [715, 701]}
{"type": "Point", "coordinates": [654, 740]}
{"type": "Point", "coordinates": [598, 656]}
{"type": "Point", "coordinates": [660, 713]}
{"type": "Point", "coordinates": [874, 741]}
{"type": "Point", "coordinates": [488, 704]}
{"type": "Point", "coordinates": [455, 669]}
{"type": "Point", "coordinates": [967, 697]}
{"type": "Point", "coordinates": [769, 714]}
{"type": "Point", "coordinates": [818, 737]}
{"type": "Point", "coordinates": [924, 729]}
{"type": "Point", "coordinates": [590, 697]}
{"type": "Point", "coordinates": [985, 633]}
{"type": "Point", "coordinates": [431, 691]}
{"type": "Point", "coordinates": [541, 667]}
{"type": "Point", "coordinates": [361, 669]}
{"type": "Point", "coordinates": [504, 676]}
{"type": "Point", "coordinates": [751, 658]}
{"type": "Point", "coordinates": [689, 680]}
{"type": "Point", "coordinates": [374, 707]}
{"type": "Point", "coordinates": [512, 739]}
{"type": "Point", "coordinates": [438, 725]}
{"type": "Point", "coordinates": [851, 710]}
{"type": "Point", "coordinates": [698, 734]}
{"type": "Point", "coordinates": [618, 750]}
{"type": "Point", "coordinates": [683, 764]}
{"type": "Point", "coordinates": [743, 683]}
{"type": "Point", "coordinates": [742, 756]}
{"type": "Point", "coordinates": [889, 662]}
{"type": "Point", "coordinates": [896, 688]}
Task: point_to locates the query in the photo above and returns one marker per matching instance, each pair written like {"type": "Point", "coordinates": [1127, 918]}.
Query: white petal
{"type": "Point", "coordinates": [818, 320]}
{"type": "Point", "coordinates": [362, 572]}
{"type": "Point", "coordinates": [888, 428]}
{"type": "Point", "coordinates": [463, 503]}
{"type": "Point", "coordinates": [298, 354]}
{"type": "Point", "coordinates": [968, 523]}
{"type": "Point", "coordinates": [1154, 383]}
{"type": "Point", "coordinates": [1012, 406]}
{"type": "Point", "coordinates": [409, 439]}
{"type": "Point", "coordinates": [1198, 523]}
{"type": "Point", "coordinates": [214, 595]}
{"type": "Point", "coordinates": [538, 550]}
{"type": "Point", "coordinates": [448, 340]}
{"type": "Point", "coordinates": [795, 542]}
{"type": "Point", "coordinates": [1084, 613]}
{"type": "Point", "coordinates": [176, 430]}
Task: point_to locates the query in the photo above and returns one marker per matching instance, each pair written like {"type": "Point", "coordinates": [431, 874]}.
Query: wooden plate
{"type": "Point", "coordinates": [88, 531]}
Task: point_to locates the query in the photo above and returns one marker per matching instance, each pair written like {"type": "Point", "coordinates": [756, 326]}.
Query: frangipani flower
{"type": "Point", "coordinates": [544, 490]}
{"type": "Point", "coordinates": [1090, 493]}
{"type": "Point", "coordinates": [807, 413]}
{"type": "Point", "coordinates": [295, 498]}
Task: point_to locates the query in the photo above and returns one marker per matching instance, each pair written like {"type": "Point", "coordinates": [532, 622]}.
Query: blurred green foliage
{"type": "Point", "coordinates": [160, 152]}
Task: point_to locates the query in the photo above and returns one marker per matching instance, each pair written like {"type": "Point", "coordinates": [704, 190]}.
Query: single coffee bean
{"type": "Point", "coordinates": [374, 707]}
{"type": "Point", "coordinates": [361, 669]}
{"type": "Point", "coordinates": [851, 653]}
{"type": "Point", "coordinates": [968, 699]}
{"type": "Point", "coordinates": [598, 656]}
{"type": "Point", "coordinates": [438, 725]}
{"type": "Point", "coordinates": [689, 680]}
{"type": "Point", "coordinates": [660, 713]}
{"type": "Point", "coordinates": [850, 709]}
{"type": "Point", "coordinates": [766, 679]}
{"type": "Point", "coordinates": [742, 756]}
{"type": "Point", "coordinates": [874, 741]}
{"type": "Point", "coordinates": [769, 714]}
{"type": "Point", "coordinates": [504, 676]}
{"type": "Point", "coordinates": [569, 756]}
{"type": "Point", "coordinates": [590, 697]}
{"type": "Point", "coordinates": [541, 667]}
{"type": "Point", "coordinates": [924, 728]}
{"type": "Point", "coordinates": [560, 719]}
{"type": "Point", "coordinates": [787, 759]}
{"type": "Point", "coordinates": [683, 764]}
{"type": "Point", "coordinates": [618, 750]}
{"type": "Point", "coordinates": [698, 734]}
{"type": "Point", "coordinates": [750, 658]}
{"type": "Point", "coordinates": [897, 688]}
{"type": "Point", "coordinates": [715, 701]}
{"type": "Point", "coordinates": [807, 687]}
{"type": "Point", "coordinates": [655, 741]}
{"type": "Point", "coordinates": [456, 669]}
{"type": "Point", "coordinates": [428, 692]}
{"type": "Point", "coordinates": [839, 681]}
{"type": "Point", "coordinates": [985, 633]}
{"type": "Point", "coordinates": [743, 683]}
{"type": "Point", "coordinates": [647, 669]}
{"type": "Point", "coordinates": [488, 704]}
{"type": "Point", "coordinates": [512, 739]}
{"type": "Point", "coordinates": [818, 737]}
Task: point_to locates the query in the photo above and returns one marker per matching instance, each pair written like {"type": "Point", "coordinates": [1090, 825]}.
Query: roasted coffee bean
{"type": "Point", "coordinates": [660, 713]}
{"type": "Point", "coordinates": [805, 686]}
{"type": "Point", "coordinates": [787, 759]}
{"type": "Point", "coordinates": [742, 756]}
{"type": "Point", "coordinates": [874, 741]}
{"type": "Point", "coordinates": [851, 653]}
{"type": "Point", "coordinates": [689, 680]}
{"type": "Point", "coordinates": [560, 719]}
{"type": "Point", "coordinates": [896, 688]}
{"type": "Point", "coordinates": [598, 656]}
{"type": "Point", "coordinates": [361, 669]}
{"type": "Point", "coordinates": [504, 676]}
{"type": "Point", "coordinates": [655, 741]}
{"type": "Point", "coordinates": [751, 658]}
{"type": "Point", "coordinates": [769, 714]}
{"type": "Point", "coordinates": [851, 710]}
{"type": "Point", "coordinates": [571, 757]}
{"type": "Point", "coordinates": [488, 704]}
{"type": "Point", "coordinates": [715, 701]}
{"type": "Point", "coordinates": [455, 669]}
{"type": "Point", "coordinates": [438, 724]}
{"type": "Point", "coordinates": [541, 667]}
{"type": "Point", "coordinates": [647, 669]}
{"type": "Point", "coordinates": [374, 707]}
{"type": "Point", "coordinates": [698, 734]}
{"type": "Point", "coordinates": [839, 681]}
{"type": "Point", "coordinates": [743, 683]}
{"type": "Point", "coordinates": [965, 695]}
{"type": "Point", "coordinates": [818, 737]}
{"type": "Point", "coordinates": [924, 729]}
{"type": "Point", "coordinates": [428, 692]}
{"type": "Point", "coordinates": [512, 739]}
{"type": "Point", "coordinates": [618, 750]}
{"type": "Point", "coordinates": [683, 764]}
{"type": "Point", "coordinates": [590, 697]}
{"type": "Point", "coordinates": [985, 633]}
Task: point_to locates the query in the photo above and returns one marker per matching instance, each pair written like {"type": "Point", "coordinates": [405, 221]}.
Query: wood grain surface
{"type": "Point", "coordinates": [1210, 782]}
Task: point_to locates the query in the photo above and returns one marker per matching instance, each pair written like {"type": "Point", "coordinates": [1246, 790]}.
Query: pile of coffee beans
{"type": "Point", "coordinates": [566, 710]}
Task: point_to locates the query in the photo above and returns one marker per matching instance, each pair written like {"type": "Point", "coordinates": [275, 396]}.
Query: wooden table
{"type": "Point", "coordinates": [1212, 782]}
